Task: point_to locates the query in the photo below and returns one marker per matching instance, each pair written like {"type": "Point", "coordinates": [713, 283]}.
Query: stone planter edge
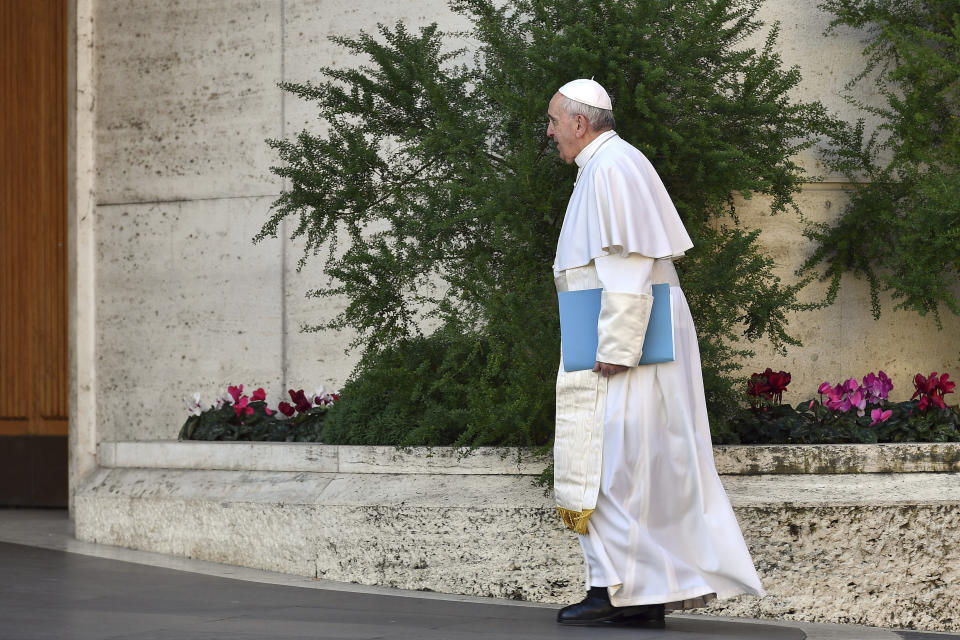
{"type": "Point", "coordinates": [321, 458]}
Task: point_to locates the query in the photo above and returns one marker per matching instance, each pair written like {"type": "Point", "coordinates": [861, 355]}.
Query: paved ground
{"type": "Point", "coordinates": [54, 593]}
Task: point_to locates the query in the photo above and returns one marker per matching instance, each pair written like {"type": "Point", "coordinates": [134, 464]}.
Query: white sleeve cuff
{"type": "Point", "coordinates": [622, 327]}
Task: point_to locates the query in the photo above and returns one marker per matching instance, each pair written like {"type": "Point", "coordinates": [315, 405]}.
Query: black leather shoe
{"type": "Point", "coordinates": [649, 615]}
{"type": "Point", "coordinates": [596, 609]}
{"type": "Point", "coordinates": [593, 609]}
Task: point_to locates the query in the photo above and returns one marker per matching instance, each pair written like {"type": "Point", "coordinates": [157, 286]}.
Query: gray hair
{"type": "Point", "coordinates": [599, 119]}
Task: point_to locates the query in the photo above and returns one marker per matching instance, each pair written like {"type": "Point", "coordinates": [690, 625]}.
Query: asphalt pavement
{"type": "Point", "coordinates": [55, 588]}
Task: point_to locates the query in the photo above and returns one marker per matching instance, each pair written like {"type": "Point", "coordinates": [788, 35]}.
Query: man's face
{"type": "Point", "coordinates": [567, 131]}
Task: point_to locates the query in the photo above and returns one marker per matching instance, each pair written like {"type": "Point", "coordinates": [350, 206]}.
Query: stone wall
{"type": "Point", "coordinates": [185, 94]}
{"type": "Point", "coordinates": [875, 548]}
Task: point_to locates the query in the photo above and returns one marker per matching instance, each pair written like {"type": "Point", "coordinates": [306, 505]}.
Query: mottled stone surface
{"type": "Point", "coordinates": [838, 458]}
{"type": "Point", "coordinates": [186, 94]}
{"type": "Point", "coordinates": [321, 458]}
{"type": "Point", "coordinates": [890, 566]}
{"type": "Point", "coordinates": [81, 241]}
{"type": "Point", "coordinates": [308, 25]}
{"type": "Point", "coordinates": [437, 460]}
{"type": "Point", "coordinates": [185, 303]}
{"type": "Point", "coordinates": [843, 340]}
{"type": "Point", "coordinates": [826, 64]}
{"type": "Point", "coordinates": [873, 549]}
{"type": "Point", "coordinates": [844, 489]}
{"type": "Point", "coordinates": [305, 456]}
{"type": "Point", "coordinates": [313, 358]}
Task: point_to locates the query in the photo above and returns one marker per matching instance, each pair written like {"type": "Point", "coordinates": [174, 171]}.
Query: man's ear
{"type": "Point", "coordinates": [581, 125]}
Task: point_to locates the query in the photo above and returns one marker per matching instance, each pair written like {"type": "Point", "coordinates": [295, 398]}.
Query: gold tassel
{"type": "Point", "coordinates": [575, 520]}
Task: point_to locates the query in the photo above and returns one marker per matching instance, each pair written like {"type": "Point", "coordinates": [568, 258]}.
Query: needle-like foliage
{"type": "Point", "coordinates": [901, 229]}
{"type": "Point", "coordinates": [437, 169]}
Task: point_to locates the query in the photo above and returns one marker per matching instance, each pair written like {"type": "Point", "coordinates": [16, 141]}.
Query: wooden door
{"type": "Point", "coordinates": [33, 253]}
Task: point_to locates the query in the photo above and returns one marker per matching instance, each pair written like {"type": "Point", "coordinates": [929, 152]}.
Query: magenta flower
{"type": "Point", "coordinates": [945, 385]}
{"type": "Point", "coordinates": [878, 416]}
{"type": "Point", "coordinates": [286, 409]}
{"type": "Point", "coordinates": [859, 400]}
{"type": "Point", "coordinates": [235, 392]}
{"type": "Point", "coordinates": [259, 394]}
{"type": "Point", "coordinates": [836, 397]}
{"type": "Point", "coordinates": [300, 400]}
{"type": "Point", "coordinates": [932, 389]}
{"type": "Point", "coordinates": [877, 387]}
{"type": "Point", "coordinates": [844, 396]}
{"type": "Point", "coordinates": [241, 407]}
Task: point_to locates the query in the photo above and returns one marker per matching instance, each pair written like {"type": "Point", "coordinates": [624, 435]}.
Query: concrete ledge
{"type": "Point", "coordinates": [316, 458]}
{"type": "Point", "coordinates": [868, 548]}
{"type": "Point", "coordinates": [321, 458]}
{"type": "Point", "coordinates": [911, 457]}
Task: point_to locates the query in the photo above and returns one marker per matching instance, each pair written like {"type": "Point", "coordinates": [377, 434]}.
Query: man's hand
{"type": "Point", "coordinates": [606, 369]}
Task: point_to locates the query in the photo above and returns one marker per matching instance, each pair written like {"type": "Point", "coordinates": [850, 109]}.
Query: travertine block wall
{"type": "Point", "coordinates": [843, 340]}
{"type": "Point", "coordinates": [186, 93]}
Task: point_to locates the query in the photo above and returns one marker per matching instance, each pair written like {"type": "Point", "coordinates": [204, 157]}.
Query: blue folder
{"type": "Point", "coordinates": [580, 313]}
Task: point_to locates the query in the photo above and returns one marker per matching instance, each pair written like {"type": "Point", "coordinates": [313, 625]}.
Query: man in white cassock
{"type": "Point", "coordinates": [634, 470]}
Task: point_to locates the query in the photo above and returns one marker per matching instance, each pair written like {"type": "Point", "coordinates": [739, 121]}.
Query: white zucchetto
{"type": "Point", "coordinates": [588, 92]}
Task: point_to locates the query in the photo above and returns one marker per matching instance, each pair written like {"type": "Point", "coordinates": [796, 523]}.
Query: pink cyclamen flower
{"type": "Point", "coordinates": [858, 399]}
{"type": "Point", "coordinates": [235, 392]}
{"type": "Point", "coordinates": [945, 385]}
{"type": "Point", "coordinates": [877, 387]}
{"type": "Point", "coordinates": [824, 388]}
{"type": "Point", "coordinates": [878, 416]}
{"type": "Point", "coordinates": [261, 396]}
{"type": "Point", "coordinates": [241, 407]}
{"type": "Point", "coordinates": [886, 384]}
{"type": "Point", "coordinates": [836, 397]}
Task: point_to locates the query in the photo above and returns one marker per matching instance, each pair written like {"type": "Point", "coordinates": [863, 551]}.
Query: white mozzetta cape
{"type": "Point", "coordinates": [619, 206]}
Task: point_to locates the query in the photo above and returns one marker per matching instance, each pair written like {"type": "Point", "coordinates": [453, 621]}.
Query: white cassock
{"type": "Point", "coordinates": [633, 456]}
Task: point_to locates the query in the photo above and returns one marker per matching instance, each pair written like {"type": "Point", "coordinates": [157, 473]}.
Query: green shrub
{"type": "Point", "coordinates": [437, 390]}
{"type": "Point", "coordinates": [437, 170]}
{"type": "Point", "coordinates": [900, 230]}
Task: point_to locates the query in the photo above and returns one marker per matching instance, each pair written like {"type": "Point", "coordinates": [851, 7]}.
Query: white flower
{"type": "Point", "coordinates": [319, 396]}
{"type": "Point", "coordinates": [193, 405]}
